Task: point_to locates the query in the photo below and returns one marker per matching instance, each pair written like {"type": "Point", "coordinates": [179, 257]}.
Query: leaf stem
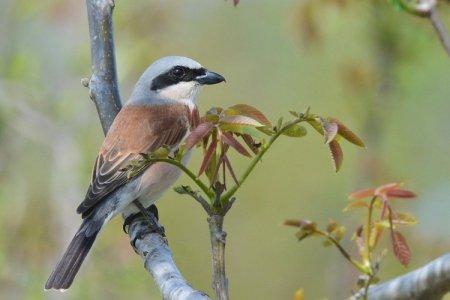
{"type": "Point", "coordinates": [258, 157]}
{"type": "Point", "coordinates": [344, 252]}
{"type": "Point", "coordinates": [208, 192]}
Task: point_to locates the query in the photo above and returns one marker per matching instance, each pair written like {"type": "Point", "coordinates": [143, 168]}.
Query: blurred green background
{"type": "Point", "coordinates": [383, 72]}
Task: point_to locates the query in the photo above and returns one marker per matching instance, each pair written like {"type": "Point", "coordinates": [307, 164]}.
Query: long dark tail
{"type": "Point", "coordinates": [67, 268]}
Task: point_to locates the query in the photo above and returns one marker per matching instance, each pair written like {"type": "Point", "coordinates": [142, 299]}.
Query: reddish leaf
{"type": "Point", "coordinates": [208, 155]}
{"type": "Point", "coordinates": [400, 193]}
{"type": "Point", "coordinates": [330, 131]}
{"type": "Point", "coordinates": [336, 154]}
{"type": "Point", "coordinates": [248, 111]}
{"type": "Point", "coordinates": [236, 2]}
{"type": "Point", "coordinates": [294, 223]}
{"type": "Point", "coordinates": [348, 134]}
{"type": "Point", "coordinates": [198, 134]}
{"type": "Point", "coordinates": [228, 139]}
{"type": "Point", "coordinates": [230, 168]}
{"type": "Point", "coordinates": [308, 225]}
{"type": "Point", "coordinates": [355, 203]}
{"type": "Point", "coordinates": [381, 190]}
{"type": "Point", "coordinates": [401, 249]}
{"type": "Point", "coordinates": [251, 143]}
{"type": "Point", "coordinates": [361, 194]}
{"type": "Point", "coordinates": [240, 120]}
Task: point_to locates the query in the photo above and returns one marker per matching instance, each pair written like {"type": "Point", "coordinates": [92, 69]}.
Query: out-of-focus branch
{"type": "Point", "coordinates": [428, 9]}
{"type": "Point", "coordinates": [429, 282]}
{"type": "Point", "coordinates": [440, 28]}
{"type": "Point", "coordinates": [104, 92]}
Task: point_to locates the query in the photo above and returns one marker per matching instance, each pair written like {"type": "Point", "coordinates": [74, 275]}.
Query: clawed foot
{"type": "Point", "coordinates": [150, 217]}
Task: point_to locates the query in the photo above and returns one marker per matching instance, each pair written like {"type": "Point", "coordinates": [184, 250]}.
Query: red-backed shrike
{"type": "Point", "coordinates": [161, 112]}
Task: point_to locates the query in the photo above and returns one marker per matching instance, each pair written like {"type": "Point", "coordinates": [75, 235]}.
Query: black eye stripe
{"type": "Point", "coordinates": [170, 78]}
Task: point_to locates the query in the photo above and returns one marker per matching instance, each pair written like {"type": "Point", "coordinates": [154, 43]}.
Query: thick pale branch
{"type": "Point", "coordinates": [104, 92]}
{"type": "Point", "coordinates": [431, 281]}
{"type": "Point", "coordinates": [158, 261]}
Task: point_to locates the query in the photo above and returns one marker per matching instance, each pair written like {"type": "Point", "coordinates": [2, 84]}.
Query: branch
{"type": "Point", "coordinates": [103, 87]}
{"type": "Point", "coordinates": [440, 28]}
{"type": "Point", "coordinates": [158, 261]}
{"type": "Point", "coordinates": [104, 92]}
{"type": "Point", "coordinates": [430, 282]}
{"type": "Point", "coordinates": [218, 240]}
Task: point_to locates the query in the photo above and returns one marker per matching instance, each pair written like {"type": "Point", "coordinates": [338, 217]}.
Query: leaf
{"type": "Point", "coordinates": [401, 248]}
{"type": "Point", "coordinates": [230, 168]}
{"type": "Point", "coordinates": [294, 113]}
{"type": "Point", "coordinates": [400, 193]}
{"type": "Point", "coordinates": [316, 125]}
{"type": "Point", "coordinates": [251, 143]}
{"type": "Point", "coordinates": [336, 154]}
{"type": "Point", "coordinates": [295, 130]}
{"type": "Point", "coordinates": [330, 130]}
{"type": "Point", "coordinates": [348, 134]}
{"type": "Point", "coordinates": [242, 129]}
{"type": "Point", "coordinates": [381, 190]}
{"type": "Point", "coordinates": [299, 295]}
{"type": "Point", "coordinates": [355, 204]}
{"type": "Point", "coordinates": [361, 194]}
{"type": "Point", "coordinates": [240, 120]}
{"type": "Point", "coordinates": [228, 139]}
{"type": "Point", "coordinates": [375, 234]}
{"type": "Point", "coordinates": [210, 171]}
{"type": "Point", "coordinates": [279, 124]}
{"type": "Point", "coordinates": [332, 226]}
{"type": "Point", "coordinates": [339, 233]}
{"type": "Point", "coordinates": [308, 225]}
{"type": "Point", "coordinates": [248, 111]}
{"type": "Point", "coordinates": [293, 223]}
{"type": "Point", "coordinates": [208, 155]}
{"type": "Point", "coordinates": [405, 219]}
{"type": "Point", "coordinates": [198, 134]}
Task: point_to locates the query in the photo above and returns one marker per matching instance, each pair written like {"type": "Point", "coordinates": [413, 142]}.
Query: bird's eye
{"type": "Point", "coordinates": [178, 72]}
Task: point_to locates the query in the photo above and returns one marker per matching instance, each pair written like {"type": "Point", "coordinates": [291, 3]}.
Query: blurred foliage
{"type": "Point", "coordinates": [367, 236]}
{"type": "Point", "coordinates": [380, 70]}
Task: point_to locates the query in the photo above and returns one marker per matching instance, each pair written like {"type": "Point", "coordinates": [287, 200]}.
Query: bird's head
{"type": "Point", "coordinates": [173, 78]}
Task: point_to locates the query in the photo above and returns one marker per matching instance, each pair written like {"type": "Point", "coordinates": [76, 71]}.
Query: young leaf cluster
{"type": "Point", "coordinates": [246, 131]}
{"type": "Point", "coordinates": [380, 219]}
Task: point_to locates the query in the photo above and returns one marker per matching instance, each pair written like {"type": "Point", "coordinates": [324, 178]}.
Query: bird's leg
{"type": "Point", "coordinates": [150, 217]}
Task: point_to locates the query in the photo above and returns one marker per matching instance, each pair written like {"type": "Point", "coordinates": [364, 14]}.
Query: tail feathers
{"type": "Point", "coordinates": [67, 268]}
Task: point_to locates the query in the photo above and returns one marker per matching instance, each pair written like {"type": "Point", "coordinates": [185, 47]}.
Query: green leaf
{"type": "Point", "coordinates": [295, 130]}
{"type": "Point", "coordinates": [315, 123]}
{"type": "Point", "coordinates": [295, 114]}
{"type": "Point", "coordinates": [241, 129]}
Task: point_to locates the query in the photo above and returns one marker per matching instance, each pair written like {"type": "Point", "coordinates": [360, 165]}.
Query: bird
{"type": "Point", "coordinates": [160, 112]}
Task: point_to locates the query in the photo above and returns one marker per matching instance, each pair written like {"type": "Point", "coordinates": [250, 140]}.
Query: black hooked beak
{"type": "Point", "coordinates": [209, 78]}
